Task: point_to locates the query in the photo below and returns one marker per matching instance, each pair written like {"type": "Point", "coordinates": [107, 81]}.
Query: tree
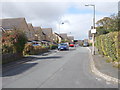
{"type": "Point", "coordinates": [107, 24]}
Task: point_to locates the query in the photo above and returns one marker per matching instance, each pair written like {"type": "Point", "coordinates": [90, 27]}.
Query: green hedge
{"type": "Point", "coordinates": [53, 46]}
{"type": "Point", "coordinates": [32, 50]}
{"type": "Point", "coordinates": [108, 45]}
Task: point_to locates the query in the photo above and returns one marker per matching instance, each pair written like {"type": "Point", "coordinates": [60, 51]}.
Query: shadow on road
{"type": "Point", "coordinates": [18, 70]}
{"type": "Point", "coordinates": [72, 49]}
{"type": "Point", "coordinates": [49, 57]}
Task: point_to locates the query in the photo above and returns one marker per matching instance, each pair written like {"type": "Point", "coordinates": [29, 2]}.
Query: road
{"type": "Point", "coordinates": [61, 69]}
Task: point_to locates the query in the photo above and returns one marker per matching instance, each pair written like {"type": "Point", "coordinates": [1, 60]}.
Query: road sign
{"type": "Point", "coordinates": [93, 31]}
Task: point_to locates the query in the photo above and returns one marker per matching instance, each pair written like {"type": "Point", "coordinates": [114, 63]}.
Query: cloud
{"type": "Point", "coordinates": [51, 14]}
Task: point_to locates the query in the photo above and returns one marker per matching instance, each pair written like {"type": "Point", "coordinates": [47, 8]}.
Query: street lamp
{"type": "Point", "coordinates": [59, 26]}
{"type": "Point", "coordinates": [93, 36]}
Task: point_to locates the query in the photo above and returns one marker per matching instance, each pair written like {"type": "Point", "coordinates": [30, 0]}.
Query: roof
{"type": "Point", "coordinates": [47, 31]}
{"type": "Point", "coordinates": [11, 23]}
{"type": "Point", "coordinates": [71, 37]}
{"type": "Point", "coordinates": [63, 35]}
{"type": "Point", "coordinates": [37, 29]}
{"type": "Point", "coordinates": [43, 33]}
{"type": "Point", "coordinates": [59, 35]}
{"type": "Point", "coordinates": [30, 27]}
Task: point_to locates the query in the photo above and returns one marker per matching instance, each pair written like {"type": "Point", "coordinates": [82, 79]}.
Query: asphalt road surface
{"type": "Point", "coordinates": [61, 69]}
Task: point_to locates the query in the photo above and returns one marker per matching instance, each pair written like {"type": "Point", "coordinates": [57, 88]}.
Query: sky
{"type": "Point", "coordinates": [77, 17]}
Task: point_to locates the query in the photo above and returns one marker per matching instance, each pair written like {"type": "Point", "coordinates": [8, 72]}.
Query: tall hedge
{"type": "Point", "coordinates": [108, 45]}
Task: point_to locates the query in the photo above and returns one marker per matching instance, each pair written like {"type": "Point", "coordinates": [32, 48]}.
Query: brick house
{"type": "Point", "coordinates": [71, 39]}
{"type": "Point", "coordinates": [38, 34]}
{"type": "Point", "coordinates": [32, 32]}
{"type": "Point", "coordinates": [57, 38]}
{"type": "Point", "coordinates": [49, 33]}
{"type": "Point", "coordinates": [15, 23]}
{"type": "Point", "coordinates": [64, 36]}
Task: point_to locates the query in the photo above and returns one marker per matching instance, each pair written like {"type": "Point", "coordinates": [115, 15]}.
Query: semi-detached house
{"type": "Point", "coordinates": [15, 23]}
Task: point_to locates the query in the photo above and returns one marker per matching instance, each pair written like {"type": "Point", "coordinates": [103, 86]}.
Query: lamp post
{"type": "Point", "coordinates": [59, 26]}
{"type": "Point", "coordinates": [93, 35]}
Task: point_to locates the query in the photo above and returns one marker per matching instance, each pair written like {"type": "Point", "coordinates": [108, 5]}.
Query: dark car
{"type": "Point", "coordinates": [63, 46]}
{"type": "Point", "coordinates": [85, 44]}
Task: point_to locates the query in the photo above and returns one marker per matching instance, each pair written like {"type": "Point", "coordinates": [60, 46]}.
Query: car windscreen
{"type": "Point", "coordinates": [62, 44]}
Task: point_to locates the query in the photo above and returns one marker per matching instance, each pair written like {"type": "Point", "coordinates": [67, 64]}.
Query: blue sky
{"type": "Point", "coordinates": [88, 10]}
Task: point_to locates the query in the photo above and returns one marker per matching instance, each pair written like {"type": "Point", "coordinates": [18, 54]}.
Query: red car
{"type": "Point", "coordinates": [71, 45]}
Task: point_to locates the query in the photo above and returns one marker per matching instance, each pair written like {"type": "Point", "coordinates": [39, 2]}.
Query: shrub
{"type": "Point", "coordinates": [21, 40]}
{"type": "Point", "coordinates": [90, 44]}
{"type": "Point", "coordinates": [28, 49]}
{"type": "Point", "coordinates": [53, 46]}
{"type": "Point", "coordinates": [13, 41]}
{"type": "Point", "coordinates": [32, 50]}
{"type": "Point", "coordinates": [108, 45]}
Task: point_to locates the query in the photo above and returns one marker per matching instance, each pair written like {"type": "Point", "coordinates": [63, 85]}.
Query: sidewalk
{"type": "Point", "coordinates": [103, 66]}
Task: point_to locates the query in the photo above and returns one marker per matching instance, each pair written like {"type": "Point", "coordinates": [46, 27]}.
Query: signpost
{"type": "Point", "coordinates": [93, 31]}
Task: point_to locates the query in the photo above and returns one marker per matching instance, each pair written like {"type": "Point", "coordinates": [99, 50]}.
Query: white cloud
{"type": "Point", "coordinates": [50, 14]}
{"type": "Point", "coordinates": [59, 0]}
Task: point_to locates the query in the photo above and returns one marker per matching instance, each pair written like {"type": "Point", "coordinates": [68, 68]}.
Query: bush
{"type": "Point", "coordinates": [90, 44]}
{"type": "Point", "coordinates": [13, 42]}
{"type": "Point", "coordinates": [53, 46]}
{"type": "Point", "coordinates": [32, 50]}
{"type": "Point", "coordinates": [21, 40]}
{"type": "Point", "coordinates": [108, 45]}
{"type": "Point", "coordinates": [28, 49]}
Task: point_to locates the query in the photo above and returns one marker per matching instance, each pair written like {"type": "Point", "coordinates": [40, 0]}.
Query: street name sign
{"type": "Point", "coordinates": [93, 31]}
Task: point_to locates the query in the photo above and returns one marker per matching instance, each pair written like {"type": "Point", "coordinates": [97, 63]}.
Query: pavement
{"type": "Point", "coordinates": [102, 66]}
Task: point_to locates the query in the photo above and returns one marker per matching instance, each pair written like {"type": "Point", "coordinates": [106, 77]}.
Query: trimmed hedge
{"type": "Point", "coordinates": [53, 46]}
{"type": "Point", "coordinates": [108, 45]}
{"type": "Point", "coordinates": [32, 50]}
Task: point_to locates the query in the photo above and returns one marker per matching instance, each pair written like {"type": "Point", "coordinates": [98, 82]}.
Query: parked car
{"type": "Point", "coordinates": [85, 44]}
{"type": "Point", "coordinates": [71, 45]}
{"type": "Point", "coordinates": [63, 46]}
{"type": "Point", "coordinates": [36, 43]}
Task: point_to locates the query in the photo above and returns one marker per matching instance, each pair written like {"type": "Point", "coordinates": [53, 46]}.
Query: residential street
{"type": "Point", "coordinates": [60, 69]}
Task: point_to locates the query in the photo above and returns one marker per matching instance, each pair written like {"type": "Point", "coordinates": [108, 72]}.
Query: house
{"type": "Point", "coordinates": [80, 42]}
{"type": "Point", "coordinates": [49, 33]}
{"type": "Point", "coordinates": [15, 23]}
{"type": "Point", "coordinates": [38, 33]}
{"type": "Point", "coordinates": [64, 36]}
{"type": "Point", "coordinates": [57, 38]}
{"type": "Point", "coordinates": [2, 30]}
{"type": "Point", "coordinates": [71, 39]}
{"type": "Point", "coordinates": [32, 32]}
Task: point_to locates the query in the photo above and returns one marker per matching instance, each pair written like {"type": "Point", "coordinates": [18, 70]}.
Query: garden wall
{"type": "Point", "coordinates": [6, 58]}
